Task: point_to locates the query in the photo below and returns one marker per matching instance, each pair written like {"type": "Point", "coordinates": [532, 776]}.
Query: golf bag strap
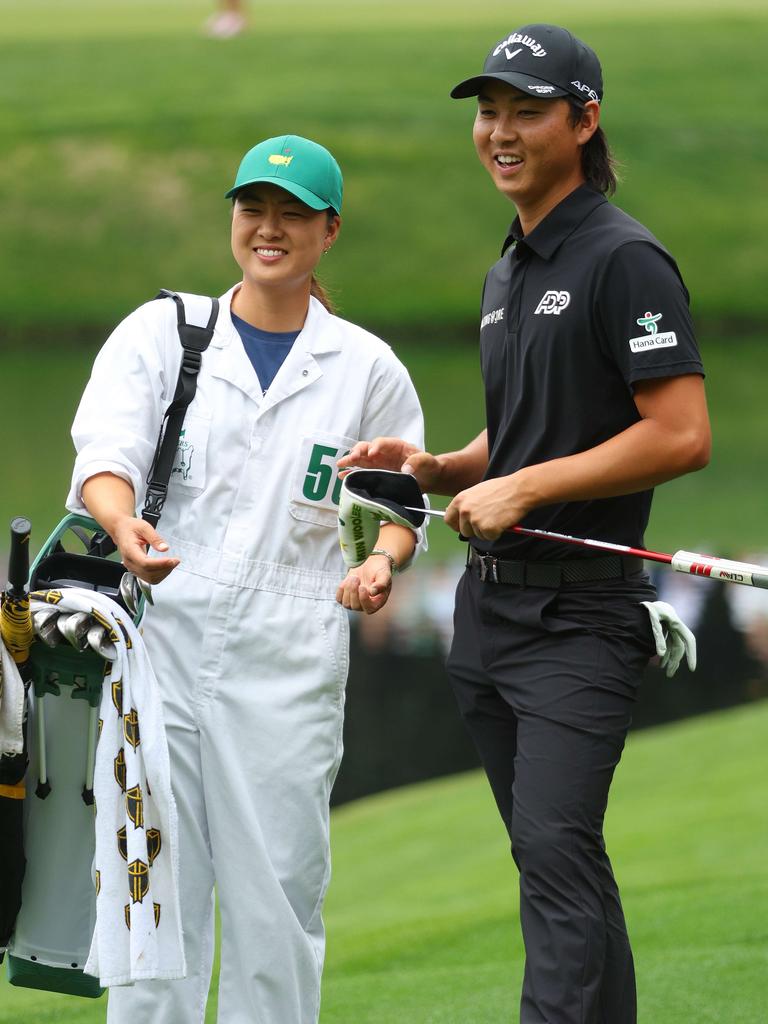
{"type": "Point", "coordinates": [194, 341]}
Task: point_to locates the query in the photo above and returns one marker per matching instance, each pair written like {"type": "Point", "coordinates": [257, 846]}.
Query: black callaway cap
{"type": "Point", "coordinates": [543, 60]}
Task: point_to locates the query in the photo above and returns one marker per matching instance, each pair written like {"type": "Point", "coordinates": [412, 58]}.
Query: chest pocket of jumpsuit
{"type": "Point", "coordinates": [316, 484]}
{"type": "Point", "coordinates": [189, 465]}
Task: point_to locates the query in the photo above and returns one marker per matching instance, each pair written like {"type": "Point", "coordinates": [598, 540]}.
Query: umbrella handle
{"type": "Point", "coordinates": [15, 618]}
{"type": "Point", "coordinates": [18, 564]}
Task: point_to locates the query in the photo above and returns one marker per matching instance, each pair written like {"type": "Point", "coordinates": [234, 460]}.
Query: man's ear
{"type": "Point", "coordinates": [590, 121]}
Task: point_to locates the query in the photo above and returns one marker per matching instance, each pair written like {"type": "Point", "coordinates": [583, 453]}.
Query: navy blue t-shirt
{"type": "Point", "coordinates": [266, 349]}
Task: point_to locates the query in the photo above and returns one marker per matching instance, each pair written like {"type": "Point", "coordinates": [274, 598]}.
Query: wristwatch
{"type": "Point", "coordinates": [389, 555]}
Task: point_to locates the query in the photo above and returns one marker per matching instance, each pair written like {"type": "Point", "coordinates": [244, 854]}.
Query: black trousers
{"type": "Point", "coordinates": [546, 681]}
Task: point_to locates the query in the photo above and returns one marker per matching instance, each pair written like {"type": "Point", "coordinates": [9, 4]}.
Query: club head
{"type": "Point", "coordinates": [44, 623]}
{"type": "Point", "coordinates": [131, 591]}
{"type": "Point", "coordinates": [43, 613]}
{"type": "Point", "coordinates": [74, 628]}
{"type": "Point", "coordinates": [146, 589]}
{"type": "Point", "coordinates": [63, 616]}
{"type": "Point", "coordinates": [128, 592]}
{"type": "Point", "coordinates": [99, 642]}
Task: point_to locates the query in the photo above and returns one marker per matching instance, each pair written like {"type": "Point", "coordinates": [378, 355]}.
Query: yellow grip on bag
{"type": "Point", "coordinates": [16, 627]}
{"type": "Point", "coordinates": [17, 792]}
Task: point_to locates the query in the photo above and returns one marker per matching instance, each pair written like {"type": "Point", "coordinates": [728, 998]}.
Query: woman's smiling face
{"type": "Point", "coordinates": [277, 239]}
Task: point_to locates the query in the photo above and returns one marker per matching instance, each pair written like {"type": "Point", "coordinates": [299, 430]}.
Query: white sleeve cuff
{"type": "Point", "coordinates": [84, 471]}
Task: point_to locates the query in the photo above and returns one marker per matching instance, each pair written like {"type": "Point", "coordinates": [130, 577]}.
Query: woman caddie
{"type": "Point", "coordinates": [248, 634]}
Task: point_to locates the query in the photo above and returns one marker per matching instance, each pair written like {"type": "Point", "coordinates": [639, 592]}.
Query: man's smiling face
{"type": "Point", "coordinates": [530, 146]}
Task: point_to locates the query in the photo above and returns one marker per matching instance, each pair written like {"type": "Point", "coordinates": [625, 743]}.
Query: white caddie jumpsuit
{"type": "Point", "coordinates": [246, 638]}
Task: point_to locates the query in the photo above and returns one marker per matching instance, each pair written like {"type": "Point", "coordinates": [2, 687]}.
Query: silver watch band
{"type": "Point", "coordinates": [389, 555]}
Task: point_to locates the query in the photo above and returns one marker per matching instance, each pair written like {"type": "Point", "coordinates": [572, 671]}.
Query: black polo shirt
{"type": "Point", "coordinates": [573, 314]}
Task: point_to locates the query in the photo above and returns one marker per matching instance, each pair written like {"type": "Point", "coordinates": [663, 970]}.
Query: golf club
{"type": "Point", "coordinates": [74, 628]}
{"type": "Point", "coordinates": [44, 625]}
{"type": "Point", "coordinates": [690, 562]}
{"type": "Point", "coordinates": [99, 642]}
{"type": "Point", "coordinates": [131, 590]}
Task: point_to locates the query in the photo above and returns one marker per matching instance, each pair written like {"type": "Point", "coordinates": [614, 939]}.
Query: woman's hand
{"type": "Point", "coordinates": [132, 537]}
{"type": "Point", "coordinates": [397, 455]}
{"type": "Point", "coordinates": [111, 502]}
{"type": "Point", "coordinates": [367, 587]}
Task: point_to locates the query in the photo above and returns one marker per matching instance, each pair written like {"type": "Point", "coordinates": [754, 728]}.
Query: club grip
{"type": "Point", "coordinates": [18, 562]}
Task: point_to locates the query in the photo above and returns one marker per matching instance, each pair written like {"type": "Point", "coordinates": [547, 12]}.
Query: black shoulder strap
{"type": "Point", "coordinates": [194, 341]}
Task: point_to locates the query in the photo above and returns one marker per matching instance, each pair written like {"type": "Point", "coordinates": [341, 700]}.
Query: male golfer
{"type": "Point", "coordinates": [594, 395]}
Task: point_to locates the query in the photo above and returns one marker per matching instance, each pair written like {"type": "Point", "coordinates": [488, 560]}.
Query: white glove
{"type": "Point", "coordinates": [672, 636]}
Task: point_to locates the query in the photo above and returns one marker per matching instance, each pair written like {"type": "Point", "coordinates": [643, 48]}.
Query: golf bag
{"type": "Point", "coordinates": [54, 927]}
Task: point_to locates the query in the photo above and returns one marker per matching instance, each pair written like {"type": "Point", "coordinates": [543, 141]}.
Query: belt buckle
{"type": "Point", "coordinates": [489, 568]}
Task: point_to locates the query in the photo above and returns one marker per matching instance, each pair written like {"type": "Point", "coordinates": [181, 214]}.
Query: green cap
{"type": "Point", "coordinates": [301, 167]}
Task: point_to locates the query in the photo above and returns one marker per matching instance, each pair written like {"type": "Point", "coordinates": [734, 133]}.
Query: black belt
{"type": "Point", "coordinates": [551, 574]}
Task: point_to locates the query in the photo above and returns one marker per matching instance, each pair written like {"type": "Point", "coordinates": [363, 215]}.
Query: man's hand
{"type": "Point", "coordinates": [488, 509]}
{"type": "Point", "coordinates": [132, 537]}
{"type": "Point", "coordinates": [367, 587]}
{"type": "Point", "coordinates": [394, 454]}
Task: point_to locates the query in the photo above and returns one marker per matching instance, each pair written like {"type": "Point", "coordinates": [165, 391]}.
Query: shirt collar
{"type": "Point", "coordinates": [548, 235]}
{"type": "Point", "coordinates": [318, 335]}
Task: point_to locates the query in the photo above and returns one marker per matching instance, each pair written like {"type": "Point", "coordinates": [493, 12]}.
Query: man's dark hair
{"type": "Point", "coordinates": [597, 161]}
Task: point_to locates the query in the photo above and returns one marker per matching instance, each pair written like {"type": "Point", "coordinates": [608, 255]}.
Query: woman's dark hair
{"type": "Point", "coordinates": [597, 161]}
{"type": "Point", "coordinates": [321, 294]}
{"type": "Point", "coordinates": [315, 287]}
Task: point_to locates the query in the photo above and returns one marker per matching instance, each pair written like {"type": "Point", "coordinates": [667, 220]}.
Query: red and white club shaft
{"type": "Point", "coordinates": [682, 561]}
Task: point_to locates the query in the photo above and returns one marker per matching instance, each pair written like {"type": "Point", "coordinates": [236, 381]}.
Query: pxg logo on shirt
{"type": "Point", "coordinates": [553, 302]}
{"type": "Point", "coordinates": [653, 339]}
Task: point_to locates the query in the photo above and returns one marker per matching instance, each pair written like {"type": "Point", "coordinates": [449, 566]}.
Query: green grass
{"type": "Point", "coordinates": [123, 127]}
{"type": "Point", "coordinates": [720, 510]}
{"type": "Point", "coordinates": [422, 911]}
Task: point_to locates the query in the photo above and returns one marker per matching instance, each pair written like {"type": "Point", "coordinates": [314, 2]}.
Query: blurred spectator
{"type": "Point", "coordinates": [439, 600]}
{"type": "Point", "coordinates": [229, 20]}
{"type": "Point", "coordinates": [418, 619]}
{"type": "Point", "coordinates": [401, 723]}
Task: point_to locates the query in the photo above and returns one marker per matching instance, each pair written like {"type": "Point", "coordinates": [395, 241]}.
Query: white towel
{"type": "Point", "coordinates": [138, 924]}
{"type": "Point", "coordinates": [11, 705]}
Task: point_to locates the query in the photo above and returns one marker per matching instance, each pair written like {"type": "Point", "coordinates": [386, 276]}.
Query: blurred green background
{"type": "Point", "coordinates": [121, 128]}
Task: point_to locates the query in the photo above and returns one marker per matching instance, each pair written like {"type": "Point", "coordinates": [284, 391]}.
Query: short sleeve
{"type": "Point", "coordinates": [643, 315]}
{"type": "Point", "coordinates": [117, 422]}
{"type": "Point", "coordinates": [392, 407]}
{"type": "Point", "coordinates": [393, 410]}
